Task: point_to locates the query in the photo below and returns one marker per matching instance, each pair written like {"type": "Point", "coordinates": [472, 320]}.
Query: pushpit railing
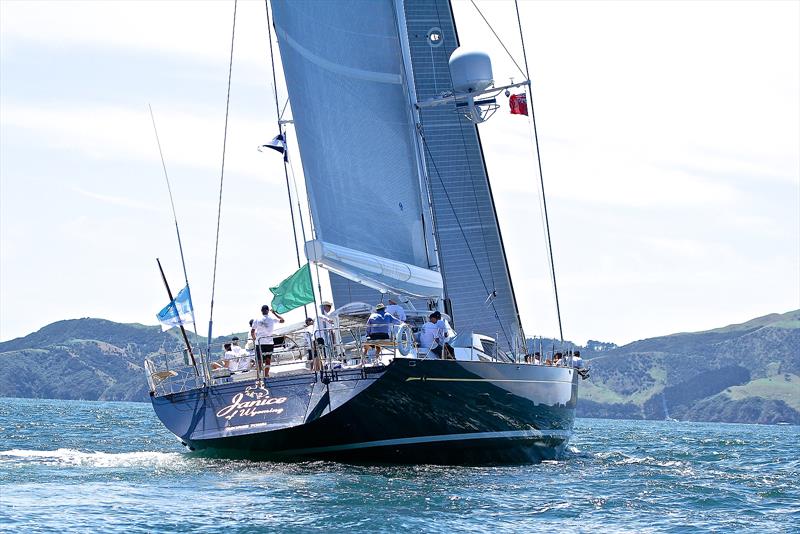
{"type": "Point", "coordinates": [172, 372]}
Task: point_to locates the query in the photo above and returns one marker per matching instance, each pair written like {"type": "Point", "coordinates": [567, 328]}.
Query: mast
{"type": "Point", "coordinates": [429, 217]}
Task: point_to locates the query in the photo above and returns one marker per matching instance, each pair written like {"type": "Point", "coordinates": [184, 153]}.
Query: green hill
{"type": "Point", "coordinates": [89, 359]}
{"type": "Point", "coordinates": [747, 372]}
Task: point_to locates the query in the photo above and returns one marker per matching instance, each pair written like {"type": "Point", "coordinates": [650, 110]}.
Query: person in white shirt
{"type": "Point", "coordinates": [433, 334]}
{"type": "Point", "coordinates": [240, 358]}
{"type": "Point", "coordinates": [325, 321]}
{"type": "Point", "coordinates": [309, 335]}
{"type": "Point", "coordinates": [328, 333]}
{"type": "Point", "coordinates": [326, 308]}
{"type": "Point", "coordinates": [316, 340]}
{"type": "Point", "coordinates": [396, 310]}
{"type": "Point", "coordinates": [225, 361]}
{"type": "Point", "coordinates": [261, 332]}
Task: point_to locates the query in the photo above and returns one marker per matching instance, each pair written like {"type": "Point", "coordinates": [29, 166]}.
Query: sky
{"type": "Point", "coordinates": [669, 136]}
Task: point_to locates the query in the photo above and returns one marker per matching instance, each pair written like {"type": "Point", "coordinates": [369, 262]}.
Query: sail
{"type": "Point", "coordinates": [471, 250]}
{"type": "Point", "coordinates": [343, 68]}
{"type": "Point", "coordinates": [382, 274]}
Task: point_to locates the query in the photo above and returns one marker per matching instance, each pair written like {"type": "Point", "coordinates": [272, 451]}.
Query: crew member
{"type": "Point", "coordinates": [261, 332]}
{"type": "Point", "coordinates": [379, 325]}
{"type": "Point", "coordinates": [396, 310]}
{"type": "Point", "coordinates": [241, 359]}
{"type": "Point", "coordinates": [433, 334]}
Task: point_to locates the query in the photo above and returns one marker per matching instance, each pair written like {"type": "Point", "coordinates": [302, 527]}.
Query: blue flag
{"type": "Point", "coordinates": [278, 144]}
{"type": "Point", "coordinates": [178, 312]}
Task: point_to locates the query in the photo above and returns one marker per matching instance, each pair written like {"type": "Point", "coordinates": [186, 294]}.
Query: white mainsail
{"type": "Point", "coordinates": [343, 68]}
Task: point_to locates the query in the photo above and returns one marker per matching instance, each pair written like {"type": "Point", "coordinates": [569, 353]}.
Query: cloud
{"type": "Point", "coordinates": [118, 201]}
{"type": "Point", "coordinates": [114, 133]}
{"type": "Point", "coordinates": [669, 135]}
{"type": "Point", "coordinates": [180, 28]}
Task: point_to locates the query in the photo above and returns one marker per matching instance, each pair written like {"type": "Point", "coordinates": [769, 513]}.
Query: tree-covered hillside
{"type": "Point", "coordinates": [748, 372]}
{"type": "Point", "coordinates": [90, 359]}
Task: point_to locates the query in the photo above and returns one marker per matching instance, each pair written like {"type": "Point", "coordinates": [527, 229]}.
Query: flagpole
{"type": "Point", "coordinates": [183, 330]}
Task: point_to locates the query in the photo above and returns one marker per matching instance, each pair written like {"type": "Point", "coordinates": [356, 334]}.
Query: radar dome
{"type": "Point", "coordinates": [471, 70]}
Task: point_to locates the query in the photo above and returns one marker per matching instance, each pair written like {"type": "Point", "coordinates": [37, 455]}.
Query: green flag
{"type": "Point", "coordinates": [293, 292]}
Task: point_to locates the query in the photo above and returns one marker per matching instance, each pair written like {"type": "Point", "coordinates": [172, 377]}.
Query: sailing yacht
{"type": "Point", "coordinates": [385, 107]}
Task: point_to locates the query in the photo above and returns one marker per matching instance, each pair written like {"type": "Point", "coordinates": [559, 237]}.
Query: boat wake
{"type": "Point", "coordinates": [75, 458]}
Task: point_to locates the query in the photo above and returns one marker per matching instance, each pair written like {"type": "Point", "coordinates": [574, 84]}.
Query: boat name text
{"type": "Point", "coordinates": [250, 408]}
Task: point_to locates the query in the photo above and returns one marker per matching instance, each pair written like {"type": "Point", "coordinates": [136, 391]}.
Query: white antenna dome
{"type": "Point", "coordinates": [471, 70]}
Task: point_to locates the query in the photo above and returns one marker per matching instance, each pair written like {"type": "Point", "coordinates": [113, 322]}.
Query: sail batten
{"type": "Point", "coordinates": [362, 74]}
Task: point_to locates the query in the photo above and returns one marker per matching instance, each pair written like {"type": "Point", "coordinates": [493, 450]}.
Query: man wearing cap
{"type": "Point", "coordinates": [325, 319]}
{"type": "Point", "coordinates": [261, 332]}
{"type": "Point", "coordinates": [379, 324]}
{"type": "Point", "coordinates": [433, 334]}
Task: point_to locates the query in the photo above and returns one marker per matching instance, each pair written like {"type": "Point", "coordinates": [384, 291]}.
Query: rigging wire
{"type": "Point", "coordinates": [494, 293]}
{"type": "Point", "coordinates": [461, 229]}
{"type": "Point", "coordinates": [297, 199]}
{"type": "Point", "coordinates": [303, 232]}
{"type": "Point", "coordinates": [285, 105]}
{"type": "Point", "coordinates": [282, 131]}
{"type": "Point", "coordinates": [491, 295]}
{"type": "Point", "coordinates": [221, 178]}
{"type": "Point", "coordinates": [541, 177]}
{"type": "Point", "coordinates": [501, 41]}
{"type": "Point", "coordinates": [474, 188]}
{"type": "Point", "coordinates": [174, 214]}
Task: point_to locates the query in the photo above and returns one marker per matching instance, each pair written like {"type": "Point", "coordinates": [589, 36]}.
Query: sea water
{"type": "Point", "coordinates": [74, 466]}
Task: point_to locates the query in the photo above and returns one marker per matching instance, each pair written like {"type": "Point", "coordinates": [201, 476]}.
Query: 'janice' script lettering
{"type": "Point", "coordinates": [250, 408]}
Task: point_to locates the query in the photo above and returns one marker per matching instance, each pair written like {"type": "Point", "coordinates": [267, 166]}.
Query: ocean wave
{"type": "Point", "coordinates": [72, 457]}
{"type": "Point", "coordinates": [619, 458]}
{"type": "Point", "coordinates": [550, 506]}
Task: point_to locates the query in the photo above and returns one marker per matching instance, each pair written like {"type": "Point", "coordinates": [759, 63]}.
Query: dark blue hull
{"type": "Point", "coordinates": [411, 411]}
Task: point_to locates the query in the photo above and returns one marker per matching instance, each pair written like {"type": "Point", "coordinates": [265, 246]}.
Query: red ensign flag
{"type": "Point", "coordinates": [519, 104]}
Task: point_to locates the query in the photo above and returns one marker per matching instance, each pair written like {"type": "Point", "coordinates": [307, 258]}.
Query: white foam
{"type": "Point", "coordinates": [72, 457]}
{"type": "Point", "coordinates": [550, 506]}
